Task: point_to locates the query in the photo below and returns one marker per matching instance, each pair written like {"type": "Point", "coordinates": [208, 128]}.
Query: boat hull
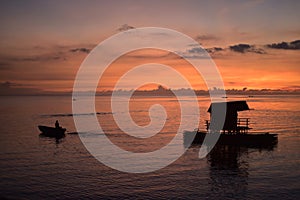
{"type": "Point", "coordinates": [249, 140]}
{"type": "Point", "coordinates": [51, 131]}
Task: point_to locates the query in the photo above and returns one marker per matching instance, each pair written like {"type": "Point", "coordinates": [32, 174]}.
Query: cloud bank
{"type": "Point", "coordinates": [245, 48]}
{"type": "Point", "coordinates": [294, 45]}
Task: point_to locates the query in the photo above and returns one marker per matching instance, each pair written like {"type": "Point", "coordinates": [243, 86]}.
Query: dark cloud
{"type": "Point", "coordinates": [294, 45]}
{"type": "Point", "coordinates": [258, 51]}
{"type": "Point", "coordinates": [241, 48]}
{"type": "Point", "coordinates": [246, 48]}
{"type": "Point", "coordinates": [125, 27]}
{"type": "Point", "coordinates": [214, 49]}
{"type": "Point", "coordinates": [83, 50]}
{"type": "Point", "coordinates": [196, 50]}
{"type": "Point", "coordinates": [194, 53]}
{"type": "Point", "coordinates": [206, 37]}
{"type": "Point", "coordinates": [200, 53]}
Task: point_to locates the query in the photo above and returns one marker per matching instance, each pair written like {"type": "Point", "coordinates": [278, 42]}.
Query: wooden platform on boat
{"type": "Point", "coordinates": [249, 139]}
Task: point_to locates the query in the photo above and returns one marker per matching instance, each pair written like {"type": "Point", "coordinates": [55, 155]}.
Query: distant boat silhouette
{"type": "Point", "coordinates": [235, 130]}
{"type": "Point", "coordinates": [56, 132]}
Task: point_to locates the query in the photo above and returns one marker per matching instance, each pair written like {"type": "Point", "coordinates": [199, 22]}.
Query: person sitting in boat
{"type": "Point", "coordinates": [57, 124]}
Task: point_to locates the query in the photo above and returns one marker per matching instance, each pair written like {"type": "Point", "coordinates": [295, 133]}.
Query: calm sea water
{"type": "Point", "coordinates": [32, 167]}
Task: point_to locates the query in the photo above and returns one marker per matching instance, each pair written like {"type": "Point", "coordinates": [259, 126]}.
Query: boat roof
{"type": "Point", "coordinates": [231, 106]}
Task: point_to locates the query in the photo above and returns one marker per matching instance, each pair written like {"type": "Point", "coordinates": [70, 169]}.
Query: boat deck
{"type": "Point", "coordinates": [244, 139]}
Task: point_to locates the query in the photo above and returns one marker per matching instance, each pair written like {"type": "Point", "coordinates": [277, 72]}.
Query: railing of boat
{"type": "Point", "coordinates": [241, 127]}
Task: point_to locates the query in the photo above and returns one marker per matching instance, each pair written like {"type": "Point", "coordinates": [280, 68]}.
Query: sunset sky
{"type": "Point", "coordinates": [255, 44]}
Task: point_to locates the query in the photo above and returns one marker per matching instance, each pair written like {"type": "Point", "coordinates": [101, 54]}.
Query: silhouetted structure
{"type": "Point", "coordinates": [234, 131]}
{"type": "Point", "coordinates": [232, 123]}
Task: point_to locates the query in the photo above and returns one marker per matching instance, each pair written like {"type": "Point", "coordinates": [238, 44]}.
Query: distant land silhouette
{"type": "Point", "coordinates": [161, 91]}
{"type": "Point", "coordinates": [10, 89]}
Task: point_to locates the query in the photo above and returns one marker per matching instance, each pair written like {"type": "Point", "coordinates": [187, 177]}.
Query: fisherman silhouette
{"type": "Point", "coordinates": [57, 124]}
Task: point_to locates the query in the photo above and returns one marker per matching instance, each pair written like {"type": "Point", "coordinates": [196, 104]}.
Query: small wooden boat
{"type": "Point", "coordinates": [52, 131]}
{"type": "Point", "coordinates": [234, 131]}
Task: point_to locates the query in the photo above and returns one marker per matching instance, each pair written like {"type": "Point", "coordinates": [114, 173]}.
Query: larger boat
{"type": "Point", "coordinates": [235, 131]}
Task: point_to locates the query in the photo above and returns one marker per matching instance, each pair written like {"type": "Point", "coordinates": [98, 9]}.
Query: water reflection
{"type": "Point", "coordinates": [229, 169]}
{"type": "Point", "coordinates": [58, 139]}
